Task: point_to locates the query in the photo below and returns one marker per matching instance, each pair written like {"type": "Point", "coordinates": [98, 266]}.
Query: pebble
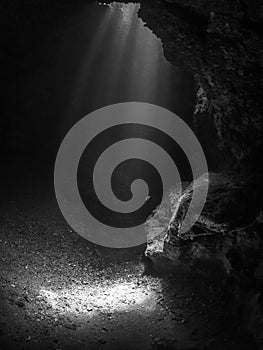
{"type": "Point", "coordinates": [71, 326]}
{"type": "Point", "coordinates": [20, 303]}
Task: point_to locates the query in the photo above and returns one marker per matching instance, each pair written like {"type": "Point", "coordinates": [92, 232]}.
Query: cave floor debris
{"type": "Point", "coordinates": [58, 292]}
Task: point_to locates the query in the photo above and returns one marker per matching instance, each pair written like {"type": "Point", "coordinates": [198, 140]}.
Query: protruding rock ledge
{"type": "Point", "coordinates": [221, 242]}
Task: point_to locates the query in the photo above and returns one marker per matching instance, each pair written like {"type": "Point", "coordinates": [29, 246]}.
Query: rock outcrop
{"type": "Point", "coordinates": [225, 241]}
{"type": "Point", "coordinates": [223, 225]}
{"type": "Point", "coordinates": [221, 43]}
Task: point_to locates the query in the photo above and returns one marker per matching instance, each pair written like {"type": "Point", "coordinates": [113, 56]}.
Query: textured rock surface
{"type": "Point", "coordinates": [217, 245]}
{"type": "Point", "coordinates": [221, 43]}
{"type": "Point", "coordinates": [216, 231]}
{"type": "Point", "coordinates": [222, 46]}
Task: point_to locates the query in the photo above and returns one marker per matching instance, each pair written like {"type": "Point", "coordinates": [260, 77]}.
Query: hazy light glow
{"type": "Point", "coordinates": [120, 297]}
{"type": "Point", "coordinates": [122, 61]}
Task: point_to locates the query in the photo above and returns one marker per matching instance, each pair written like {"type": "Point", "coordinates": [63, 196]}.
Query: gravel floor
{"type": "Point", "coordinates": [59, 291]}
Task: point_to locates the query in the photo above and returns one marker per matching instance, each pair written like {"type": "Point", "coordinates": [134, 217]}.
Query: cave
{"type": "Point", "coordinates": [76, 274]}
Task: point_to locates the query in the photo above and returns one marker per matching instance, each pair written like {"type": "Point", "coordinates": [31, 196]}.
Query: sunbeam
{"type": "Point", "coordinates": [122, 61]}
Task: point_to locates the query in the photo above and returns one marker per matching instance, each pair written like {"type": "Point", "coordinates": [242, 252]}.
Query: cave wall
{"type": "Point", "coordinates": [221, 43]}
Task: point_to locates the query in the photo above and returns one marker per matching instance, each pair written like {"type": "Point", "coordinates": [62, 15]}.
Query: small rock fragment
{"type": "Point", "coordinates": [20, 303]}
{"type": "Point", "coordinates": [69, 325]}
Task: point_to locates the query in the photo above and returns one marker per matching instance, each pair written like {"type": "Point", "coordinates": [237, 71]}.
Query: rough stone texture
{"type": "Point", "coordinates": [216, 245]}
{"type": "Point", "coordinates": [222, 46]}
{"type": "Point", "coordinates": [216, 231]}
{"type": "Point", "coordinates": [221, 43]}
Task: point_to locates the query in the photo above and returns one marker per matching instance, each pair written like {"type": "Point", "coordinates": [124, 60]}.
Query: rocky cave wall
{"type": "Point", "coordinates": [221, 43]}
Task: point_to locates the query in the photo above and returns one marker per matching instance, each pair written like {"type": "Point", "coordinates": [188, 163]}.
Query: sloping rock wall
{"type": "Point", "coordinates": [221, 43]}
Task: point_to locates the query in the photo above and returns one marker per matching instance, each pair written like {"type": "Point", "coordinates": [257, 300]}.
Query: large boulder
{"type": "Point", "coordinates": [226, 241]}
{"type": "Point", "coordinates": [226, 223]}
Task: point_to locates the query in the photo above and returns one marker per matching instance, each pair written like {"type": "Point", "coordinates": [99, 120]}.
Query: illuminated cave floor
{"type": "Point", "coordinates": [57, 292]}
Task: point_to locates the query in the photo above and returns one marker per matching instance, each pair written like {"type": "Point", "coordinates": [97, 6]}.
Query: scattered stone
{"type": "Point", "coordinates": [27, 299]}
{"type": "Point", "coordinates": [20, 303]}
{"type": "Point", "coordinates": [70, 325]}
